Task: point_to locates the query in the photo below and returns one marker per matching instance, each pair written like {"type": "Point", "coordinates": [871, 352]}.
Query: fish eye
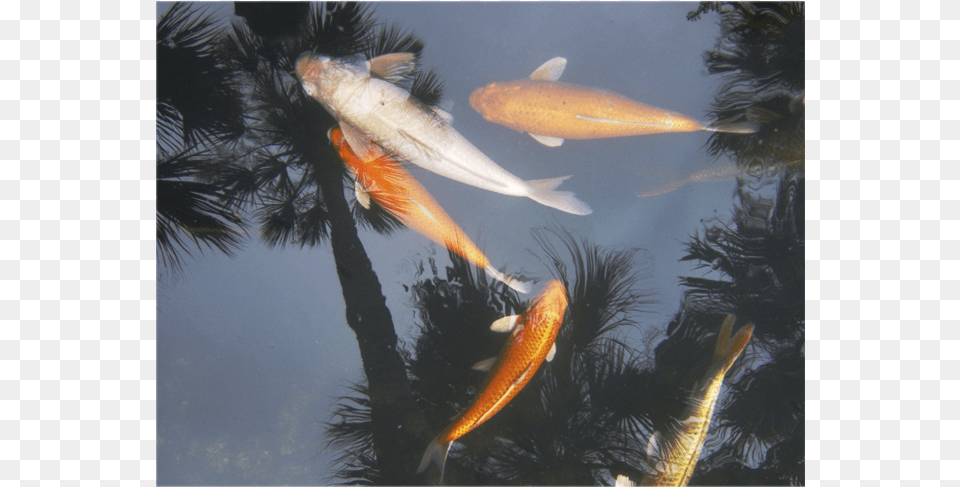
{"type": "Point", "coordinates": [307, 88]}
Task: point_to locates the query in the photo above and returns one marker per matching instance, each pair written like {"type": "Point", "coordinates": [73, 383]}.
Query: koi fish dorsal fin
{"type": "Point", "coordinates": [393, 67]}
{"type": "Point", "coordinates": [550, 70]}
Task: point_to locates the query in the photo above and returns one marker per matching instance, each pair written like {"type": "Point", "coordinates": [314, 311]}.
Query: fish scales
{"type": "Point", "coordinates": [552, 111]}
{"type": "Point", "coordinates": [575, 112]}
{"type": "Point", "coordinates": [522, 355]}
{"type": "Point", "coordinates": [529, 344]}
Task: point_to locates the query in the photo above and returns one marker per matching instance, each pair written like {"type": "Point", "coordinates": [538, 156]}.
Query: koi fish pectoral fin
{"type": "Point", "coordinates": [362, 146]}
{"type": "Point", "coordinates": [363, 197]}
{"type": "Point", "coordinates": [552, 352]}
{"type": "Point", "coordinates": [484, 365]}
{"type": "Point", "coordinates": [505, 324]}
{"type": "Point", "coordinates": [547, 140]}
{"type": "Point", "coordinates": [620, 122]}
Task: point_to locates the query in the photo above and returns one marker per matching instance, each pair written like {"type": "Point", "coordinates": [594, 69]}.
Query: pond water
{"type": "Point", "coordinates": [255, 351]}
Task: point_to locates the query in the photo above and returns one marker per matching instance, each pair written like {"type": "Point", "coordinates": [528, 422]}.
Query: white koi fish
{"type": "Point", "coordinates": [377, 115]}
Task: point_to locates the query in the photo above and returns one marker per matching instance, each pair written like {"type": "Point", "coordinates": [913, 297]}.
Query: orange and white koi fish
{"type": "Point", "coordinates": [531, 342]}
{"type": "Point", "coordinates": [403, 197]}
{"type": "Point", "coordinates": [551, 111]}
{"type": "Point", "coordinates": [377, 115]}
{"type": "Point", "coordinates": [675, 455]}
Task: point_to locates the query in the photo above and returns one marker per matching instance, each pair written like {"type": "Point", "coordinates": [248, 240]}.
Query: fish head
{"type": "Point", "coordinates": [310, 70]}
{"type": "Point", "coordinates": [496, 102]}
{"type": "Point", "coordinates": [321, 76]}
{"type": "Point", "coordinates": [487, 100]}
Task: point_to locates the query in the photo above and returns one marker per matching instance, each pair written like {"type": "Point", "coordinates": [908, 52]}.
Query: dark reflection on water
{"type": "Point", "coordinates": [586, 416]}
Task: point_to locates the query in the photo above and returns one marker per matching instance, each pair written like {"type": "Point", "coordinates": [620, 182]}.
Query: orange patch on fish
{"type": "Point", "coordinates": [383, 179]}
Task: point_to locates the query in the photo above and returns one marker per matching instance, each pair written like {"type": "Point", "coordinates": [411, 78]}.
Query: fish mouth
{"type": "Point", "coordinates": [303, 64]}
{"type": "Point", "coordinates": [309, 65]}
{"type": "Point", "coordinates": [476, 99]}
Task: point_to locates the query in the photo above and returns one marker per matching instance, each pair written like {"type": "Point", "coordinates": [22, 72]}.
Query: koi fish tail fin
{"type": "Point", "coordinates": [733, 127]}
{"type": "Point", "coordinates": [543, 191]}
{"type": "Point", "coordinates": [728, 349]}
{"type": "Point", "coordinates": [437, 454]}
{"type": "Point", "coordinates": [518, 286]}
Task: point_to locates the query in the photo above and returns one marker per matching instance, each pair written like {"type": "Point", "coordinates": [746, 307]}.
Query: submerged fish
{"type": "Point", "coordinates": [551, 111]}
{"type": "Point", "coordinates": [722, 172]}
{"type": "Point", "coordinates": [676, 455]}
{"type": "Point", "coordinates": [725, 171]}
{"type": "Point", "coordinates": [400, 194]}
{"type": "Point", "coordinates": [531, 342]}
{"type": "Point", "coordinates": [377, 115]}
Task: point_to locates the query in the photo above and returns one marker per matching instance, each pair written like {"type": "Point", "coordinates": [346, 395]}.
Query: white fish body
{"type": "Point", "coordinates": [374, 112]}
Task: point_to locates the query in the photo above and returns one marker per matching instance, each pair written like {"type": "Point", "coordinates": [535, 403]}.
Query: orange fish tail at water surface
{"type": "Point", "coordinates": [530, 343]}
{"type": "Point", "coordinates": [552, 111]}
{"type": "Point", "coordinates": [383, 179]}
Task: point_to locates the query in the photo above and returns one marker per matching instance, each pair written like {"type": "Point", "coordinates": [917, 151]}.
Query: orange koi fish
{"type": "Point", "coordinates": [676, 454]}
{"type": "Point", "coordinates": [551, 111]}
{"type": "Point", "coordinates": [531, 342]}
{"type": "Point", "coordinates": [400, 194]}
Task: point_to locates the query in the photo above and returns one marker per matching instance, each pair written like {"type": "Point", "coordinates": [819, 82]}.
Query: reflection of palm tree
{"type": "Point", "coordinates": [760, 54]}
{"type": "Point", "coordinates": [294, 182]}
{"type": "Point", "coordinates": [760, 260]}
{"type": "Point", "coordinates": [758, 432]}
{"type": "Point", "coordinates": [568, 424]}
{"type": "Point", "coordinates": [198, 105]}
